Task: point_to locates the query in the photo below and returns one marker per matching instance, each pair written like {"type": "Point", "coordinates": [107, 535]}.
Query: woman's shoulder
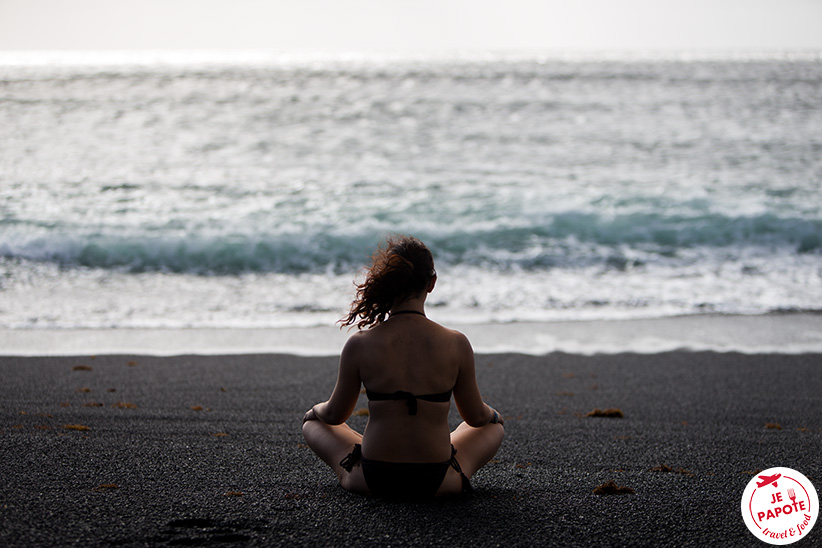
{"type": "Point", "coordinates": [356, 343]}
{"type": "Point", "coordinates": [454, 339]}
{"type": "Point", "coordinates": [454, 334]}
{"type": "Point", "coordinates": [364, 341]}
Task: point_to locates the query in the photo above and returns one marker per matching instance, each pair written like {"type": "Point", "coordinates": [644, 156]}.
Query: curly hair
{"type": "Point", "coordinates": [403, 268]}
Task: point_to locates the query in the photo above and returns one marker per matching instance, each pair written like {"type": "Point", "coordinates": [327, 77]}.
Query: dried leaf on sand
{"type": "Point", "coordinates": [664, 468]}
{"type": "Point", "coordinates": [610, 413]}
{"type": "Point", "coordinates": [611, 488]}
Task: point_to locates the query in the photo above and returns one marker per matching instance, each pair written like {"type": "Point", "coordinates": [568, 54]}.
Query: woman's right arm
{"type": "Point", "coordinates": [347, 389]}
{"type": "Point", "coordinates": [467, 396]}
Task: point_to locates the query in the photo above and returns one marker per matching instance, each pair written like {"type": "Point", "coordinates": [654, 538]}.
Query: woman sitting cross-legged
{"type": "Point", "coordinates": [410, 366]}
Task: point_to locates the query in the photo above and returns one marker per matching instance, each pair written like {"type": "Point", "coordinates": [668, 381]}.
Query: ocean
{"type": "Point", "coordinates": [249, 192]}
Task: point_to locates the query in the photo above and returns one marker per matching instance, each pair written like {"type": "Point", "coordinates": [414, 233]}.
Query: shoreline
{"type": "Point", "coordinates": [784, 333]}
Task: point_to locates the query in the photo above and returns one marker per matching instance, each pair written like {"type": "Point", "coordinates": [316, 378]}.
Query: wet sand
{"type": "Point", "coordinates": [206, 450]}
{"type": "Point", "coordinates": [781, 333]}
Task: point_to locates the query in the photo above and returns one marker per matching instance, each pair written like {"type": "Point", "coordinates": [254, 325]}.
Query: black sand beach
{"type": "Point", "coordinates": [207, 451]}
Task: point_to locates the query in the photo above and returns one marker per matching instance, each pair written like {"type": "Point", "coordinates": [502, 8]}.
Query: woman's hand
{"type": "Point", "coordinates": [496, 418]}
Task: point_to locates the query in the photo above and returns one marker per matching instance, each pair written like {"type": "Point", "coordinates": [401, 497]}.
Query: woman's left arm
{"type": "Point", "coordinates": [347, 390]}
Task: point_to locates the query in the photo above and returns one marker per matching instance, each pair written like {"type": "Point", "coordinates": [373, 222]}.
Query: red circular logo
{"type": "Point", "coordinates": [780, 506]}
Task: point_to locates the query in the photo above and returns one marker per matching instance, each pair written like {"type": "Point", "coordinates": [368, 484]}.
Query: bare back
{"type": "Point", "coordinates": [416, 355]}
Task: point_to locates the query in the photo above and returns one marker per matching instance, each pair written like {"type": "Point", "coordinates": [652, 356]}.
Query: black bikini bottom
{"type": "Point", "coordinates": [408, 480]}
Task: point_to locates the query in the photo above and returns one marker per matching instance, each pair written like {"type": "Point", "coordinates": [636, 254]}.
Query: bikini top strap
{"type": "Point", "coordinates": [409, 398]}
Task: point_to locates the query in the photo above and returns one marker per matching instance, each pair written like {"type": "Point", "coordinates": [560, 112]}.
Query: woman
{"type": "Point", "coordinates": [410, 366]}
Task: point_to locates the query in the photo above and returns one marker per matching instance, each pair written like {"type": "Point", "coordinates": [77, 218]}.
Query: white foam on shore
{"type": "Point", "coordinates": [774, 333]}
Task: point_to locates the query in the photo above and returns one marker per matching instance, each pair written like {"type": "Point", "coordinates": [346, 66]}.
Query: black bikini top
{"type": "Point", "coordinates": [409, 398]}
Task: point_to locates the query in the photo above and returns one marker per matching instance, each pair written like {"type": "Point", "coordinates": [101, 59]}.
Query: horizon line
{"type": "Point", "coordinates": [80, 57]}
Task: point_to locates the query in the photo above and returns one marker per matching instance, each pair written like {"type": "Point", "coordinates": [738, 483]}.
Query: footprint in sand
{"type": "Point", "coordinates": [206, 531]}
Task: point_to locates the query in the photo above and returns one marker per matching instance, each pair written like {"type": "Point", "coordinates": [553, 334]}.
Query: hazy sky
{"type": "Point", "coordinates": [400, 25]}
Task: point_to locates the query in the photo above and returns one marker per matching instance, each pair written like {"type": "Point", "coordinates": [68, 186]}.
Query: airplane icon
{"type": "Point", "coordinates": [767, 480]}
